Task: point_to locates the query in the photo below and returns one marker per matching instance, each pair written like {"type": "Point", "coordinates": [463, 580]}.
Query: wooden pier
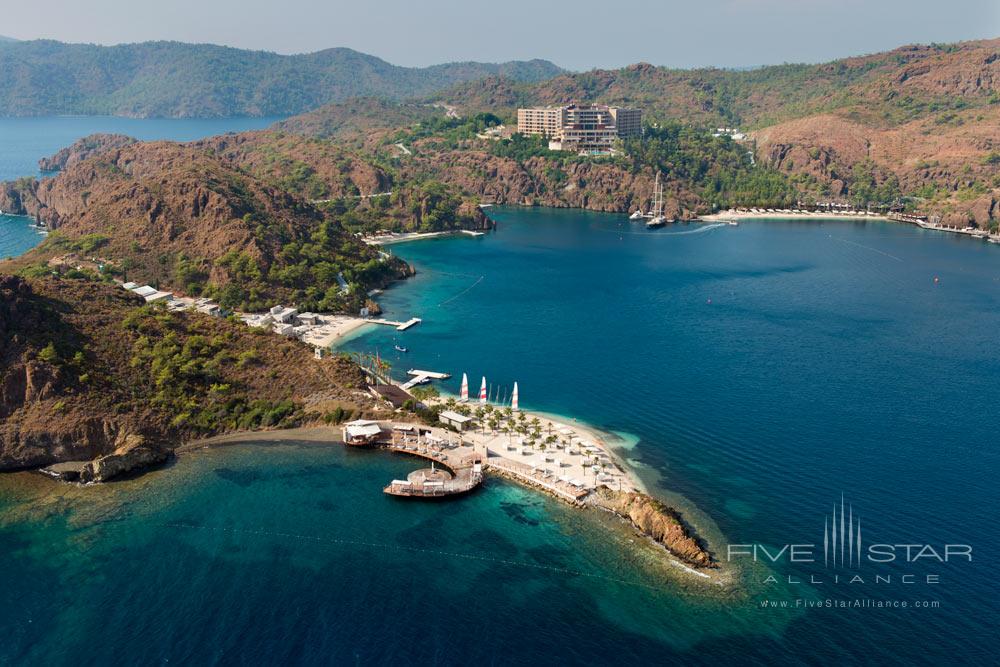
{"type": "Point", "coordinates": [459, 473]}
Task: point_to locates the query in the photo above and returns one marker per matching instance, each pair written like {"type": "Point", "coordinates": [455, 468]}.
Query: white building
{"type": "Point", "coordinates": [450, 418]}
{"type": "Point", "coordinates": [589, 128]}
{"type": "Point", "coordinates": [283, 315]}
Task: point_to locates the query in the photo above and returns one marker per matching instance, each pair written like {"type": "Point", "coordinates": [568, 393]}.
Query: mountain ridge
{"type": "Point", "coordinates": [176, 79]}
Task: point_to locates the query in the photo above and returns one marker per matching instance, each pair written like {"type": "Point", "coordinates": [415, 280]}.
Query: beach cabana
{"type": "Point", "coordinates": [361, 432]}
{"type": "Point", "coordinates": [454, 419]}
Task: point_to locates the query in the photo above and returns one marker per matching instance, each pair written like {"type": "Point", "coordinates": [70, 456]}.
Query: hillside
{"type": "Point", "coordinates": [172, 79]}
{"type": "Point", "coordinates": [882, 89]}
{"type": "Point", "coordinates": [88, 370]}
{"type": "Point", "coordinates": [915, 127]}
{"type": "Point", "coordinates": [182, 218]}
{"type": "Point", "coordinates": [358, 120]}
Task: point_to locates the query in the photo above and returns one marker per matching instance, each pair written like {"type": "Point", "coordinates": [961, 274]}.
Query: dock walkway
{"type": "Point", "coordinates": [466, 470]}
{"type": "Point", "coordinates": [422, 377]}
{"type": "Point", "coordinates": [400, 326]}
{"type": "Point", "coordinates": [529, 475]}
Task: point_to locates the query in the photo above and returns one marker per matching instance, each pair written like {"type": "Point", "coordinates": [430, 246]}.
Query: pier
{"type": "Point", "coordinates": [570, 469]}
{"type": "Point", "coordinates": [400, 326]}
{"type": "Point", "coordinates": [460, 469]}
{"type": "Point", "coordinates": [422, 377]}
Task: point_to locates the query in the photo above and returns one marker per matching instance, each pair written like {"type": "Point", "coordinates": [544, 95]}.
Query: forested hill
{"type": "Point", "coordinates": [917, 125]}
{"type": "Point", "coordinates": [173, 79]}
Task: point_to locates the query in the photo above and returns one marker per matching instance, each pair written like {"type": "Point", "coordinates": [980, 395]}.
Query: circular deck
{"type": "Point", "coordinates": [429, 475]}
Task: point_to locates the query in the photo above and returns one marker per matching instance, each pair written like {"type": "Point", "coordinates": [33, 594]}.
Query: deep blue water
{"type": "Point", "coordinates": [23, 141]}
{"type": "Point", "coordinates": [759, 373]}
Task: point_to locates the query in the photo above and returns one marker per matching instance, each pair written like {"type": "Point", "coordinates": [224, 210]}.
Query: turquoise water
{"type": "Point", "coordinates": [17, 235]}
{"type": "Point", "coordinates": [759, 373]}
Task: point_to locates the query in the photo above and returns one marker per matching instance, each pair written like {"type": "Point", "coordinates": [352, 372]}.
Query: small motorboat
{"type": "Point", "coordinates": [638, 215]}
{"type": "Point", "coordinates": [400, 348]}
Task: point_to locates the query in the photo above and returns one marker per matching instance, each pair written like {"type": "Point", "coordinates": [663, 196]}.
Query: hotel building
{"type": "Point", "coordinates": [583, 128]}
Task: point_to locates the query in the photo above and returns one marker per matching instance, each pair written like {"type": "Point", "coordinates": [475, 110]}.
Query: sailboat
{"type": "Point", "coordinates": [482, 391]}
{"type": "Point", "coordinates": [657, 219]}
{"type": "Point", "coordinates": [513, 398]}
{"type": "Point", "coordinates": [464, 394]}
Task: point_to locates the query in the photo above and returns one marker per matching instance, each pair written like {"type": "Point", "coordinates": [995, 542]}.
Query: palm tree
{"type": "Point", "coordinates": [479, 418]}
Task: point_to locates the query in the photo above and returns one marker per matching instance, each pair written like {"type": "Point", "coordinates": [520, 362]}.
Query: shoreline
{"type": "Point", "coordinates": [609, 501]}
{"type": "Point", "coordinates": [735, 216]}
{"type": "Point", "coordinates": [725, 216]}
{"type": "Point", "coordinates": [406, 237]}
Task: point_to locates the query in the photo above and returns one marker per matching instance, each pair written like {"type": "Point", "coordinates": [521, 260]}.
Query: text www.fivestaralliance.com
{"type": "Point", "coordinates": [854, 603]}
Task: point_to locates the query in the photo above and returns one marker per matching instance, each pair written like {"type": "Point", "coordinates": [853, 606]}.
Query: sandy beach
{"type": "Point", "coordinates": [765, 214]}
{"type": "Point", "coordinates": [735, 215]}
{"type": "Point", "coordinates": [335, 329]}
{"type": "Point", "coordinates": [389, 239]}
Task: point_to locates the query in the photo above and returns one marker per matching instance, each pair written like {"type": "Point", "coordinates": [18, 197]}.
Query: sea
{"type": "Point", "coordinates": [23, 141]}
{"type": "Point", "coordinates": [791, 387]}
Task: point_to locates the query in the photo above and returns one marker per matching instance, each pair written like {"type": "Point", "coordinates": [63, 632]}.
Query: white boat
{"type": "Point", "coordinates": [400, 348]}
{"type": "Point", "coordinates": [656, 217]}
{"type": "Point", "coordinates": [734, 222]}
{"type": "Point", "coordinates": [638, 215]}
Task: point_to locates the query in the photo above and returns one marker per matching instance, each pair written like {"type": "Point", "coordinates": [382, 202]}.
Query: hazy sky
{"type": "Point", "coordinates": [578, 34]}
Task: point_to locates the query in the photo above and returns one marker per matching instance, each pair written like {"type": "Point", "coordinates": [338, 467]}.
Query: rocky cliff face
{"type": "Point", "coordinates": [596, 185]}
{"type": "Point", "coordinates": [952, 162]}
{"type": "Point", "coordinates": [656, 521]}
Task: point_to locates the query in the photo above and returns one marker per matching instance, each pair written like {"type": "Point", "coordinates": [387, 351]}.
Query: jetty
{"type": "Point", "coordinates": [400, 326]}
{"type": "Point", "coordinates": [418, 377]}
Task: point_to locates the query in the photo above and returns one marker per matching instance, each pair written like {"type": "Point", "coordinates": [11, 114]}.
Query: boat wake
{"type": "Point", "coordinates": [699, 230]}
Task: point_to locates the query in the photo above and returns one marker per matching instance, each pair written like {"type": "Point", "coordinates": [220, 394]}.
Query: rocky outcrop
{"type": "Point", "coordinates": [655, 520]}
{"type": "Point", "coordinates": [83, 149]}
{"type": "Point", "coordinates": [133, 454]}
{"type": "Point", "coordinates": [19, 197]}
